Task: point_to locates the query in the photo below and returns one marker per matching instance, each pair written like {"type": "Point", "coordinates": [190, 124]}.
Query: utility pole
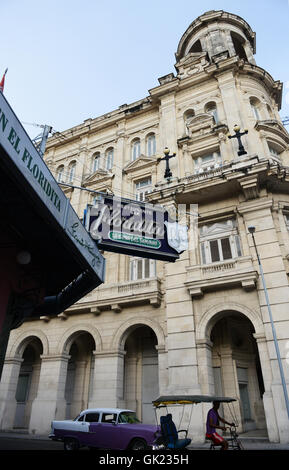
{"type": "Point", "coordinates": [46, 131]}
{"type": "Point", "coordinates": [44, 136]}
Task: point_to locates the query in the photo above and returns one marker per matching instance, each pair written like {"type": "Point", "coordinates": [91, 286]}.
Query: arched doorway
{"type": "Point", "coordinates": [80, 369]}
{"type": "Point", "coordinates": [236, 368]}
{"type": "Point", "coordinates": [141, 372]}
{"type": "Point", "coordinates": [27, 384]}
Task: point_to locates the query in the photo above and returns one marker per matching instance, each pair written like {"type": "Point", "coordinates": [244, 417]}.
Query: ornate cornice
{"type": "Point", "coordinates": [139, 164]}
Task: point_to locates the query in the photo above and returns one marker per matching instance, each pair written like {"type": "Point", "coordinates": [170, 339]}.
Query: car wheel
{"type": "Point", "coordinates": [71, 444]}
{"type": "Point", "coordinates": [138, 444]}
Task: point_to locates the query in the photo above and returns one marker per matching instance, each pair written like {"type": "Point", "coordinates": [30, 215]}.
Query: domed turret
{"type": "Point", "coordinates": [219, 35]}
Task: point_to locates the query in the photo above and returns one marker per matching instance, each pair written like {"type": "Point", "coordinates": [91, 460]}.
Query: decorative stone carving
{"type": "Point", "coordinates": [192, 63]}
{"type": "Point", "coordinates": [250, 187]}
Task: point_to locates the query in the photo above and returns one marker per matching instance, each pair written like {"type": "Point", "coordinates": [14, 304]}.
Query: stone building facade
{"type": "Point", "coordinates": [201, 324]}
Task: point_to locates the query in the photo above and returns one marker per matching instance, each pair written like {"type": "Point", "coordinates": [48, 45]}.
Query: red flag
{"type": "Point", "coordinates": [3, 81]}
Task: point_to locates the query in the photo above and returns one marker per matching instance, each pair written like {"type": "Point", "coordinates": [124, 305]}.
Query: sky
{"type": "Point", "coordinates": [71, 60]}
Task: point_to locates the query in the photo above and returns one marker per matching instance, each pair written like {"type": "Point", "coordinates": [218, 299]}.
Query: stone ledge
{"type": "Point", "coordinates": [239, 271]}
{"type": "Point", "coordinates": [124, 294]}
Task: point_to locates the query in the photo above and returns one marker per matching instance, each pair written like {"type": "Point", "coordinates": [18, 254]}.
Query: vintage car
{"type": "Point", "coordinates": [105, 428]}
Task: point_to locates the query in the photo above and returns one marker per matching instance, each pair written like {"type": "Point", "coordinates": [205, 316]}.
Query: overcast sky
{"type": "Point", "coordinates": [71, 60]}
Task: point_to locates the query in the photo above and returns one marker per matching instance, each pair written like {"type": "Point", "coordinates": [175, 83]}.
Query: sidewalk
{"type": "Point", "coordinates": [248, 445]}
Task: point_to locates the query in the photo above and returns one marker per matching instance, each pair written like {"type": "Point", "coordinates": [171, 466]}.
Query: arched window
{"type": "Point", "coordinates": [95, 164]}
{"type": "Point", "coordinates": [109, 158]}
{"type": "Point", "coordinates": [275, 151]}
{"type": "Point", "coordinates": [71, 171]}
{"type": "Point", "coordinates": [255, 107]}
{"type": "Point", "coordinates": [60, 174]}
{"type": "Point", "coordinates": [196, 47]}
{"type": "Point", "coordinates": [270, 112]}
{"type": "Point", "coordinates": [151, 145]}
{"type": "Point", "coordinates": [238, 42]}
{"type": "Point", "coordinates": [135, 149]}
{"type": "Point", "coordinates": [211, 108]}
{"type": "Point", "coordinates": [188, 115]}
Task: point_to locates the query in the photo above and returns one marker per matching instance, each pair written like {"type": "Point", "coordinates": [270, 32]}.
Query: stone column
{"type": "Point", "coordinates": [169, 133]}
{"type": "Point", "coordinates": [187, 161]}
{"type": "Point", "coordinates": [8, 388]}
{"type": "Point", "coordinates": [78, 399]}
{"type": "Point", "coordinates": [163, 364]}
{"type": "Point", "coordinates": [107, 388]}
{"type": "Point", "coordinates": [270, 414]}
{"type": "Point", "coordinates": [183, 377]}
{"type": "Point", "coordinates": [278, 292]}
{"type": "Point", "coordinates": [205, 367]}
{"type": "Point", "coordinates": [50, 403]}
{"type": "Point", "coordinates": [33, 390]}
{"type": "Point", "coordinates": [130, 392]}
{"type": "Point", "coordinates": [233, 106]}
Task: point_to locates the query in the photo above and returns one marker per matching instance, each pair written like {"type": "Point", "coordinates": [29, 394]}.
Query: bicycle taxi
{"type": "Point", "coordinates": [170, 433]}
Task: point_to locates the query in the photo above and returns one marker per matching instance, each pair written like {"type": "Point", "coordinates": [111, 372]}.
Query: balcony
{"type": "Point", "coordinates": [124, 294]}
{"type": "Point", "coordinates": [229, 273]}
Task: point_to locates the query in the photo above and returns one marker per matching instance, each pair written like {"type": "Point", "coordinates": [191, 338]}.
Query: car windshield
{"type": "Point", "coordinates": [128, 417]}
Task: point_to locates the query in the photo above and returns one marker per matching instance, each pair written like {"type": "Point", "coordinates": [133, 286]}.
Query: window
{"type": "Point", "coordinates": [142, 187]}
{"type": "Point", "coordinates": [219, 242]}
{"type": "Point", "coordinates": [128, 417]}
{"type": "Point", "coordinates": [273, 152]}
{"type": "Point", "coordinates": [255, 107]}
{"type": "Point", "coordinates": [238, 42]}
{"type": "Point", "coordinates": [135, 149]}
{"type": "Point", "coordinates": [71, 172]}
{"type": "Point", "coordinates": [142, 268]}
{"type": "Point", "coordinates": [287, 220]}
{"type": "Point", "coordinates": [270, 112]}
{"type": "Point", "coordinates": [196, 47]}
{"type": "Point", "coordinates": [188, 115]}
{"type": "Point", "coordinates": [92, 417]}
{"type": "Point", "coordinates": [95, 162]}
{"type": "Point", "coordinates": [208, 162]}
{"type": "Point", "coordinates": [109, 158]}
{"type": "Point", "coordinates": [108, 417]}
{"type": "Point", "coordinates": [151, 145]}
{"type": "Point", "coordinates": [60, 174]}
{"type": "Point", "coordinates": [211, 108]}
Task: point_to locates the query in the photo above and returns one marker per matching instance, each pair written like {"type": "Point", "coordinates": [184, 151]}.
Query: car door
{"type": "Point", "coordinates": [108, 431]}
{"type": "Point", "coordinates": [80, 426]}
{"type": "Point", "coordinates": [91, 438]}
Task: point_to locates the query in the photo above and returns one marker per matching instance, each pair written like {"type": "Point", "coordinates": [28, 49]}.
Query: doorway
{"type": "Point", "coordinates": [141, 383]}
{"type": "Point", "coordinates": [27, 384]}
{"type": "Point", "coordinates": [237, 370]}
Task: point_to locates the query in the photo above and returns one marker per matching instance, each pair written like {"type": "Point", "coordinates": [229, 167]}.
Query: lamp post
{"type": "Point", "coordinates": [238, 136]}
{"type": "Point", "coordinates": [168, 173]}
{"type": "Point", "coordinates": [252, 231]}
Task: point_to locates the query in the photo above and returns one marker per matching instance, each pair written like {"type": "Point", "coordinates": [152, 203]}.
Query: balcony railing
{"type": "Point", "coordinates": [230, 273]}
{"type": "Point", "coordinates": [123, 294]}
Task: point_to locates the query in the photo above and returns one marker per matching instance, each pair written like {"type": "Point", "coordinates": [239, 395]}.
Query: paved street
{"type": "Point", "coordinates": [26, 442]}
{"type": "Point", "coordinates": [10, 442]}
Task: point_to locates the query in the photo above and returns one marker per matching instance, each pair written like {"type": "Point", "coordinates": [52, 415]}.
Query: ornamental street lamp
{"type": "Point", "coordinates": [168, 173]}
{"type": "Point", "coordinates": [252, 231]}
{"type": "Point", "coordinates": [238, 136]}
